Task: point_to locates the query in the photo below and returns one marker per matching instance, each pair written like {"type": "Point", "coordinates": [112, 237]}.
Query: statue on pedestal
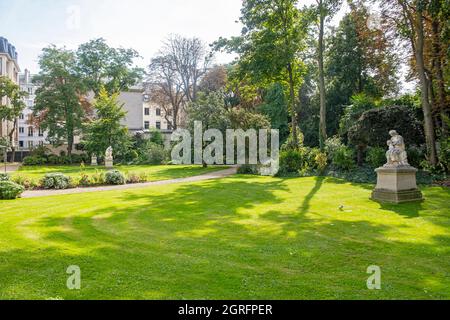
{"type": "Point", "coordinates": [396, 181]}
{"type": "Point", "coordinates": [109, 160]}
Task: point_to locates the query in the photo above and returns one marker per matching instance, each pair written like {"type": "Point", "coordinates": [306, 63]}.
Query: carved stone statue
{"type": "Point", "coordinates": [396, 155]}
{"type": "Point", "coordinates": [109, 161]}
{"type": "Point", "coordinates": [396, 182]}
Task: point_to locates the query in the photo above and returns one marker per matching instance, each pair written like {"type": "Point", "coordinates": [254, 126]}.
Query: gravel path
{"type": "Point", "coordinates": [9, 167]}
{"type": "Point", "coordinates": [209, 176]}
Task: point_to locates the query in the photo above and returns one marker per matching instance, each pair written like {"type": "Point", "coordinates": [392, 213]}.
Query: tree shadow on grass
{"type": "Point", "coordinates": [225, 239]}
{"type": "Point", "coordinates": [306, 202]}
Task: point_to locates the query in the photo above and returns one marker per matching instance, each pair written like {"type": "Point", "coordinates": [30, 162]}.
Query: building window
{"type": "Point", "coordinates": [30, 131]}
{"type": "Point", "coordinates": [30, 144]}
{"type": "Point", "coordinates": [41, 143]}
{"type": "Point", "coordinates": [158, 112]}
{"type": "Point", "coordinates": [158, 125]}
{"type": "Point", "coordinates": [41, 132]}
{"type": "Point", "coordinates": [146, 125]}
{"type": "Point", "coordinates": [147, 111]}
{"type": "Point", "coordinates": [22, 116]}
{"type": "Point", "coordinates": [21, 130]}
{"type": "Point", "coordinates": [21, 144]}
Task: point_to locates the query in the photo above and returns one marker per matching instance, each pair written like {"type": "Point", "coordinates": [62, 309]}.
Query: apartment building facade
{"type": "Point", "coordinates": [9, 67]}
{"type": "Point", "coordinates": [30, 135]}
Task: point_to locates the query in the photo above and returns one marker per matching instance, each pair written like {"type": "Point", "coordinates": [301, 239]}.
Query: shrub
{"type": "Point", "coordinates": [85, 180]}
{"type": "Point", "coordinates": [56, 181]}
{"type": "Point", "coordinates": [248, 169]}
{"type": "Point", "coordinates": [34, 161]}
{"type": "Point", "coordinates": [444, 153]}
{"type": "Point", "coordinates": [321, 161]}
{"type": "Point", "coordinates": [114, 177]}
{"type": "Point", "coordinates": [25, 182]}
{"type": "Point", "coordinates": [10, 190]}
{"type": "Point", "coordinates": [98, 178]}
{"type": "Point", "coordinates": [155, 154]}
{"type": "Point", "coordinates": [343, 158]}
{"type": "Point", "coordinates": [376, 157]}
{"type": "Point", "coordinates": [332, 145]}
{"type": "Point", "coordinates": [4, 177]}
{"type": "Point", "coordinates": [415, 156]}
{"type": "Point", "coordinates": [290, 161]}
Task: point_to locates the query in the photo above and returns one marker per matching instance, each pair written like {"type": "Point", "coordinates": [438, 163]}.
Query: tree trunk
{"type": "Point", "coordinates": [323, 110]}
{"type": "Point", "coordinates": [292, 104]}
{"type": "Point", "coordinates": [427, 113]}
{"type": "Point", "coordinates": [360, 155]}
{"type": "Point", "coordinates": [439, 74]}
{"type": "Point", "coordinates": [11, 141]}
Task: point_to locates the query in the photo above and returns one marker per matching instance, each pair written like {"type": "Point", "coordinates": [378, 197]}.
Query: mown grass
{"type": "Point", "coordinates": [236, 238]}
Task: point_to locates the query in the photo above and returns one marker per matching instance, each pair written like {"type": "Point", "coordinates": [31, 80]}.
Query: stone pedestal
{"type": "Point", "coordinates": [94, 161]}
{"type": "Point", "coordinates": [397, 185]}
{"type": "Point", "coordinates": [109, 163]}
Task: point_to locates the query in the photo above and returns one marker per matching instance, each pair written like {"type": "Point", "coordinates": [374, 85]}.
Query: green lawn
{"type": "Point", "coordinates": [154, 173]}
{"type": "Point", "coordinates": [236, 238]}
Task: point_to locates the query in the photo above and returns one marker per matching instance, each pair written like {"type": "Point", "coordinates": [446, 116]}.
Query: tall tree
{"type": "Point", "coordinates": [60, 107]}
{"type": "Point", "coordinates": [166, 88]}
{"type": "Point", "coordinates": [101, 65]}
{"type": "Point", "coordinates": [190, 60]}
{"type": "Point", "coordinates": [326, 9]}
{"type": "Point", "coordinates": [408, 17]}
{"type": "Point", "coordinates": [106, 129]}
{"type": "Point", "coordinates": [10, 92]}
{"type": "Point", "coordinates": [273, 35]}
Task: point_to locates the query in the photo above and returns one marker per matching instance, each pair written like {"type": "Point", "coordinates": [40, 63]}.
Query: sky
{"type": "Point", "coordinates": [31, 25]}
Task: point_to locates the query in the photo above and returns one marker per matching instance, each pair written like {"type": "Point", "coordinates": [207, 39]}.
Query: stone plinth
{"type": "Point", "coordinates": [109, 163]}
{"type": "Point", "coordinates": [397, 185]}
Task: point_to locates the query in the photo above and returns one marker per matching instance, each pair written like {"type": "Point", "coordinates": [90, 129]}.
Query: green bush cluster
{"type": "Point", "coordinates": [10, 190]}
{"type": "Point", "coordinates": [115, 177]}
{"type": "Point", "coordinates": [376, 157]}
{"type": "Point", "coordinates": [248, 169]}
{"type": "Point", "coordinates": [56, 181]}
{"type": "Point", "coordinates": [303, 160]}
{"type": "Point", "coordinates": [4, 177]}
{"type": "Point", "coordinates": [36, 160]}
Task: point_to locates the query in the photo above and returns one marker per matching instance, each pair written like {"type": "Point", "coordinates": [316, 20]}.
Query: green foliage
{"type": "Point", "coordinates": [344, 158]}
{"type": "Point", "coordinates": [106, 129]}
{"type": "Point", "coordinates": [153, 154]}
{"type": "Point", "coordinates": [305, 161]}
{"type": "Point", "coordinates": [11, 111]}
{"type": "Point", "coordinates": [156, 137]}
{"type": "Point", "coordinates": [4, 177]}
{"type": "Point", "coordinates": [58, 105]}
{"type": "Point", "coordinates": [290, 143]}
{"type": "Point", "coordinates": [376, 157]}
{"type": "Point", "coordinates": [374, 125]}
{"type": "Point", "coordinates": [34, 161]}
{"type": "Point", "coordinates": [332, 145]}
{"type": "Point", "coordinates": [56, 181]}
{"type": "Point", "coordinates": [115, 177]}
{"type": "Point", "coordinates": [444, 153]}
{"type": "Point", "coordinates": [359, 104]}
{"type": "Point", "coordinates": [10, 190]}
{"type": "Point", "coordinates": [275, 107]}
{"type": "Point", "coordinates": [98, 65]}
{"type": "Point", "coordinates": [210, 109]}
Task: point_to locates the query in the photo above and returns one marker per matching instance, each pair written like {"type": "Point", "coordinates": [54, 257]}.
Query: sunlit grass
{"type": "Point", "coordinates": [235, 238]}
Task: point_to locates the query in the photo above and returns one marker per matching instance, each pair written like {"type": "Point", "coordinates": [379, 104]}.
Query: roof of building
{"type": "Point", "coordinates": [8, 48]}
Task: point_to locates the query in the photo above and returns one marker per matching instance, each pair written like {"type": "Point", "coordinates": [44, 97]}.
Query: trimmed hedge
{"type": "Point", "coordinates": [115, 177]}
{"type": "Point", "coordinates": [56, 181]}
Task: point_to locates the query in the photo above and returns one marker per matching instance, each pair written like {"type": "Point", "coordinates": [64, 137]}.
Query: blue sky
{"type": "Point", "coordinates": [31, 25]}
